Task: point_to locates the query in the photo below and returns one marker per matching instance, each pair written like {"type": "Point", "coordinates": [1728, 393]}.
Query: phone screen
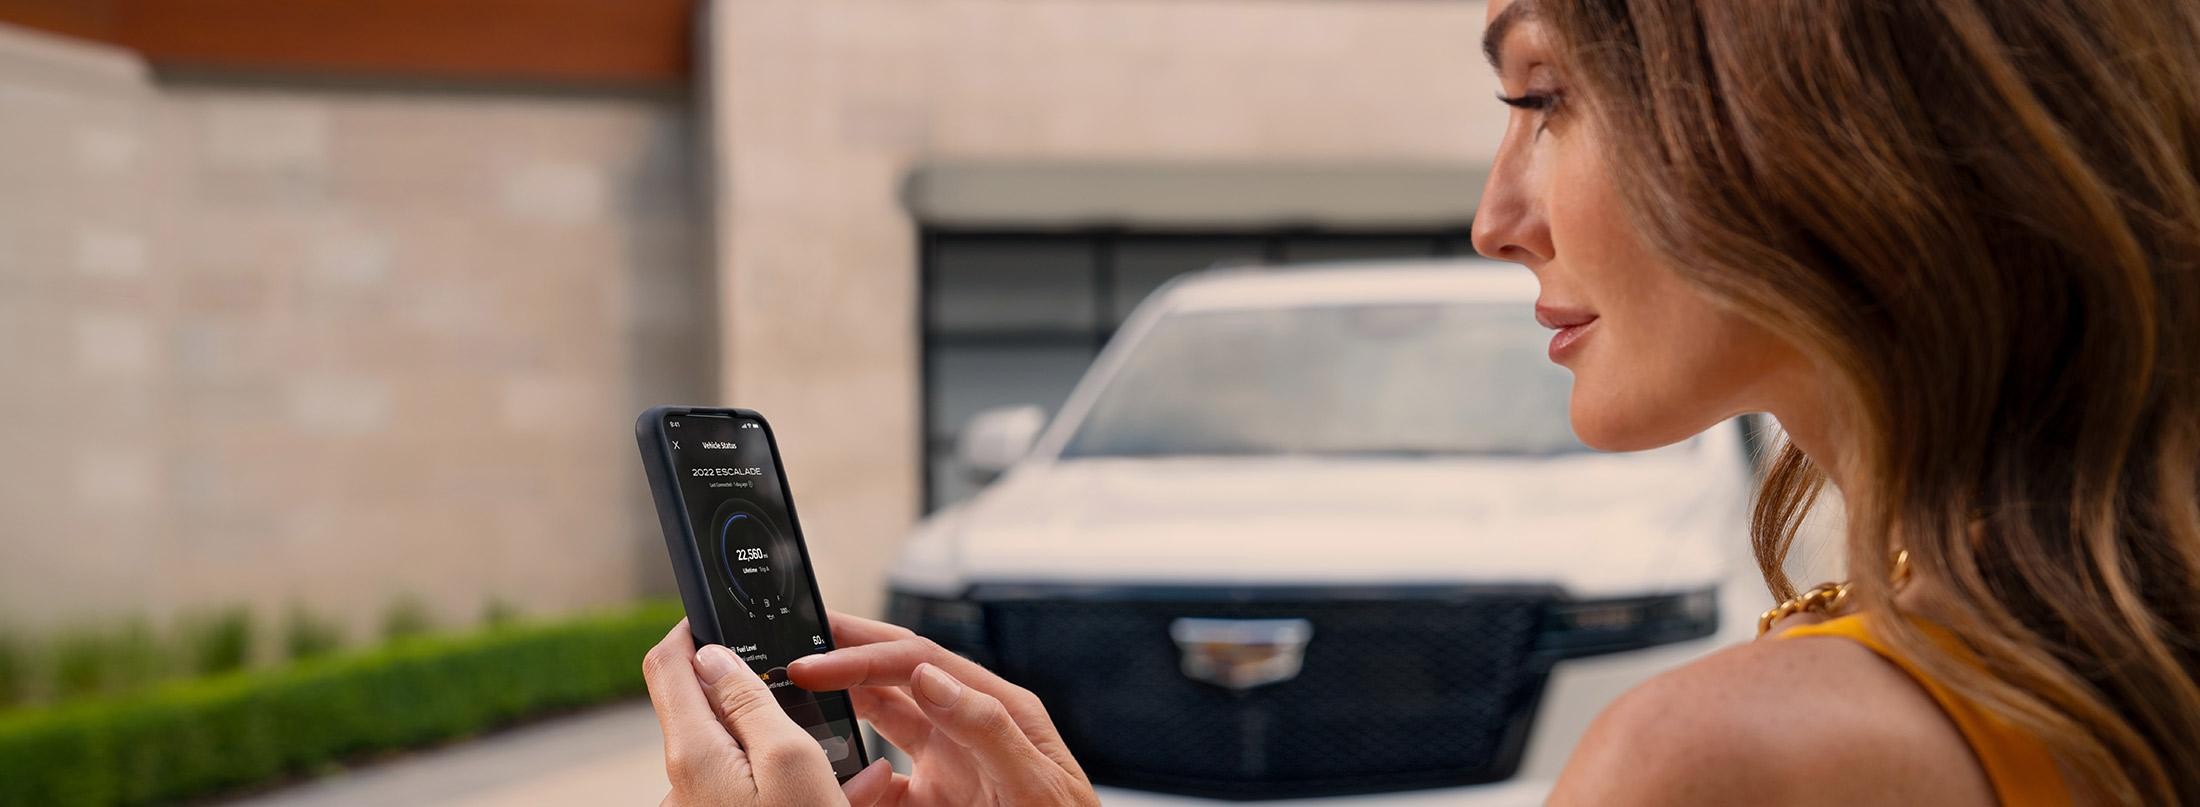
{"type": "Point", "coordinates": [757, 569]}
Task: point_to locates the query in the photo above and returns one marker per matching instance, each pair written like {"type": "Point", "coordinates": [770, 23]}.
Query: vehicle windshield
{"type": "Point", "coordinates": [1378, 379]}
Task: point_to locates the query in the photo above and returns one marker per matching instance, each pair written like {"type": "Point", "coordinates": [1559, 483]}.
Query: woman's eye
{"type": "Point", "coordinates": [1531, 101]}
{"type": "Point", "coordinates": [1544, 104]}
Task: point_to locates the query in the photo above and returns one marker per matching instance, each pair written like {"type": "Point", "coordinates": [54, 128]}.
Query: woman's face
{"type": "Point", "coordinates": [1654, 360]}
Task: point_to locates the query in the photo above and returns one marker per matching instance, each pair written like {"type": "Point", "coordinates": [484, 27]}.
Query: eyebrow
{"type": "Point", "coordinates": [1493, 37]}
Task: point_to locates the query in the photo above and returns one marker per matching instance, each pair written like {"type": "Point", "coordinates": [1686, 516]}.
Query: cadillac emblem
{"type": "Point", "coordinates": [1241, 654]}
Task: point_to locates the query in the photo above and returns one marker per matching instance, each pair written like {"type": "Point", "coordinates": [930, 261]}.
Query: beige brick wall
{"type": "Point", "coordinates": [823, 107]}
{"type": "Point", "coordinates": [341, 343]}
{"type": "Point", "coordinates": [271, 343]}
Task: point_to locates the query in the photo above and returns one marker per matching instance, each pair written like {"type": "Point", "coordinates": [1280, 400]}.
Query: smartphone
{"type": "Point", "coordinates": [737, 552]}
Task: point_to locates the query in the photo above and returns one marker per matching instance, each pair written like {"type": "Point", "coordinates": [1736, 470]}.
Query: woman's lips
{"type": "Point", "coordinates": [1572, 325]}
{"type": "Point", "coordinates": [1563, 342]}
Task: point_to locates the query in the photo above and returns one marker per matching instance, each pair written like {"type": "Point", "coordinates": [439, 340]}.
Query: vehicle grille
{"type": "Point", "coordinates": [1393, 694]}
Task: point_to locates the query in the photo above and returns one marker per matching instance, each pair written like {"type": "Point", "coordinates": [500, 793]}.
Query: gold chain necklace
{"type": "Point", "coordinates": [1828, 598]}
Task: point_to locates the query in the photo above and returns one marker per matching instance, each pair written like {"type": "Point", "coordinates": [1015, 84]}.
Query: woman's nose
{"type": "Point", "coordinates": [1509, 223]}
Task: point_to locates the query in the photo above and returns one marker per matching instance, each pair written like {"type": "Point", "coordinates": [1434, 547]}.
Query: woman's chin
{"type": "Point", "coordinates": [1603, 424]}
{"type": "Point", "coordinates": [1599, 435]}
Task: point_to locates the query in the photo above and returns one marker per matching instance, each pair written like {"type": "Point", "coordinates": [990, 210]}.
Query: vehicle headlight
{"type": "Point", "coordinates": [957, 624]}
{"type": "Point", "coordinates": [1591, 627]}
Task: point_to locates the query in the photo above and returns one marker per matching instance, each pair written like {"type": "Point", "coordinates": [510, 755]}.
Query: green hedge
{"type": "Point", "coordinates": [199, 737]}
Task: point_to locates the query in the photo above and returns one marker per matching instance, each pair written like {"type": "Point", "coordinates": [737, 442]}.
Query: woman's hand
{"type": "Point", "coordinates": [975, 739]}
{"type": "Point", "coordinates": [727, 742]}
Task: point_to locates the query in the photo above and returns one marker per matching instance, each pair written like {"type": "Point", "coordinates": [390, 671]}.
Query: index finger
{"type": "Point", "coordinates": [891, 663]}
{"type": "Point", "coordinates": [850, 630]}
{"type": "Point", "coordinates": [683, 712]}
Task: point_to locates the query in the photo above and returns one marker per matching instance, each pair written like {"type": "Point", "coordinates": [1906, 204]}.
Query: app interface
{"type": "Point", "coordinates": [756, 567]}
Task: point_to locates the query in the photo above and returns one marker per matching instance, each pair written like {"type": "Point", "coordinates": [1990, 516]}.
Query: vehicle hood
{"type": "Point", "coordinates": [1594, 524]}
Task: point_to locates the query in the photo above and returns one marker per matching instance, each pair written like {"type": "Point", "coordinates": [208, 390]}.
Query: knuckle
{"type": "Point", "coordinates": [777, 755]}
{"type": "Point", "coordinates": [992, 719]}
{"type": "Point", "coordinates": [657, 661]}
{"type": "Point", "coordinates": [680, 764]}
{"type": "Point", "coordinates": [986, 707]}
{"type": "Point", "coordinates": [1021, 700]}
{"type": "Point", "coordinates": [738, 703]}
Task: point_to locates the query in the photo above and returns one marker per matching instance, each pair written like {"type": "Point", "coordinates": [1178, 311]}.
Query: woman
{"type": "Point", "coordinates": [1954, 247]}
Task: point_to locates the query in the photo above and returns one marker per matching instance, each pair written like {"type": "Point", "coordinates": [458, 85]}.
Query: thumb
{"type": "Point", "coordinates": [770, 739]}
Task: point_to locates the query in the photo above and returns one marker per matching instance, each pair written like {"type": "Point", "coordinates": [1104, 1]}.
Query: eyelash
{"type": "Point", "coordinates": [1543, 103]}
{"type": "Point", "coordinates": [1539, 102]}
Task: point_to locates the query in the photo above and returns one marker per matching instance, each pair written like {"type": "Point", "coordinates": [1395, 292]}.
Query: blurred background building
{"type": "Point", "coordinates": [330, 303]}
{"type": "Point", "coordinates": [336, 301]}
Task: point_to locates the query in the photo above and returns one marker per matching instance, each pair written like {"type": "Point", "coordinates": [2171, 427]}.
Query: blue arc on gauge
{"type": "Point", "coordinates": [760, 534]}
{"type": "Point", "coordinates": [725, 553]}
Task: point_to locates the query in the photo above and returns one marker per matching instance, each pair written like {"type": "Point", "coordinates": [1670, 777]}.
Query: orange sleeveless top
{"type": "Point", "coordinates": [2018, 765]}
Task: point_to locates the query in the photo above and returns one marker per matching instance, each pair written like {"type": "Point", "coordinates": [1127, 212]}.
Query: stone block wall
{"type": "Point", "coordinates": [275, 343]}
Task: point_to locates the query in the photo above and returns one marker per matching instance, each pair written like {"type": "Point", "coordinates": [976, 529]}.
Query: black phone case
{"type": "Point", "coordinates": [687, 559]}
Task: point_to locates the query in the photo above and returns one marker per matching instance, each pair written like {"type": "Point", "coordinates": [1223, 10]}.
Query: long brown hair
{"type": "Point", "coordinates": [1983, 218]}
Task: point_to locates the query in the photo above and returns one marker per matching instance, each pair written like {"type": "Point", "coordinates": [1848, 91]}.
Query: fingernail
{"type": "Point", "coordinates": [801, 662]}
{"type": "Point", "coordinates": [937, 686]}
{"type": "Point", "coordinates": [715, 662]}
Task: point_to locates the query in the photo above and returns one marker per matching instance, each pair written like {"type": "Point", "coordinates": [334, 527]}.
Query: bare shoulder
{"type": "Point", "coordinates": [1791, 721]}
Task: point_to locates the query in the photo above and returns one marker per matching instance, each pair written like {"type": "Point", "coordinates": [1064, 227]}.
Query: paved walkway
{"type": "Point", "coordinates": [609, 756]}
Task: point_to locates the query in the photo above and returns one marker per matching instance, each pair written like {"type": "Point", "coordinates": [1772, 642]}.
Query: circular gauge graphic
{"type": "Point", "coordinates": [756, 558]}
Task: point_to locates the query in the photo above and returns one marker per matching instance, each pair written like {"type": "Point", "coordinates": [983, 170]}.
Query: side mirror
{"type": "Point", "coordinates": [997, 438]}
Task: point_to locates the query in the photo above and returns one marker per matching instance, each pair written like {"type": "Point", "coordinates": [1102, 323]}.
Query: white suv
{"type": "Point", "coordinates": [1325, 533]}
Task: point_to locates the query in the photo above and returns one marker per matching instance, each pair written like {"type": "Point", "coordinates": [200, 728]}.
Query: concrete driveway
{"type": "Point", "coordinates": [608, 756]}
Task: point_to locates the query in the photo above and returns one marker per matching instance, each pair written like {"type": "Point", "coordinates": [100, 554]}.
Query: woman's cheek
{"type": "Point", "coordinates": [1617, 395]}
{"type": "Point", "coordinates": [1639, 377]}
